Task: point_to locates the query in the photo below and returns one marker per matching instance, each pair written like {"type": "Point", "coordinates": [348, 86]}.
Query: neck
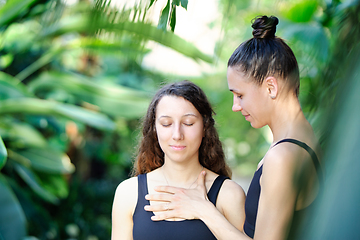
{"type": "Point", "coordinates": [181, 175]}
{"type": "Point", "coordinates": [288, 119]}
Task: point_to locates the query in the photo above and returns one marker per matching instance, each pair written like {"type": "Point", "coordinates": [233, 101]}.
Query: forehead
{"type": "Point", "coordinates": [238, 80]}
{"type": "Point", "coordinates": [175, 106]}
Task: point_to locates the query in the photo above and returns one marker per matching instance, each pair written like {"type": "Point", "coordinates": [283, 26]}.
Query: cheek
{"type": "Point", "coordinates": [196, 135]}
{"type": "Point", "coordinates": [161, 133]}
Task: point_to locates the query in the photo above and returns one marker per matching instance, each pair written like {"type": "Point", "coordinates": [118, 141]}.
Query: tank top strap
{"type": "Point", "coordinates": [312, 153]}
{"type": "Point", "coordinates": [215, 188]}
{"type": "Point", "coordinates": [142, 189]}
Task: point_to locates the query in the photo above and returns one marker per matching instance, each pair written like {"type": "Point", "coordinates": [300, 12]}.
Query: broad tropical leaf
{"type": "Point", "coordinates": [312, 39]}
{"type": "Point", "coordinates": [14, 8]}
{"type": "Point", "coordinates": [48, 160]}
{"type": "Point", "coordinates": [11, 87]}
{"type": "Point", "coordinates": [24, 135]}
{"type": "Point", "coordinates": [12, 217]}
{"type": "Point", "coordinates": [34, 183]}
{"type": "Point", "coordinates": [43, 107]}
{"type": "Point", "coordinates": [299, 11]}
{"type": "Point", "coordinates": [112, 99]}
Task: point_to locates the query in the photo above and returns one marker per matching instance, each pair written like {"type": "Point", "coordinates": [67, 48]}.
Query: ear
{"type": "Point", "coordinates": [271, 85]}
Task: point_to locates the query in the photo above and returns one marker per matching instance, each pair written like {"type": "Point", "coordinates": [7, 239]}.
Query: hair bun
{"type": "Point", "coordinates": [264, 27]}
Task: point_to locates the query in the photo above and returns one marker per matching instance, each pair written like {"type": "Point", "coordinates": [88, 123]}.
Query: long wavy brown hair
{"type": "Point", "coordinates": [211, 155]}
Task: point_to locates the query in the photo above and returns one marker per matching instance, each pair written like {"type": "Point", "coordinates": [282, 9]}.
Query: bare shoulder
{"type": "Point", "coordinates": [231, 189]}
{"type": "Point", "coordinates": [283, 166]}
{"type": "Point", "coordinates": [126, 195]}
{"type": "Point", "coordinates": [128, 185]}
{"type": "Point", "coordinates": [231, 202]}
{"type": "Point", "coordinates": [285, 156]}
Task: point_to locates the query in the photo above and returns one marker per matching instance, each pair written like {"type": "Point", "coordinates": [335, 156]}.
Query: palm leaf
{"type": "Point", "coordinates": [52, 108]}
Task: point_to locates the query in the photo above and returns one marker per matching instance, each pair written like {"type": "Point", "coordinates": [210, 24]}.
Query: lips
{"type": "Point", "coordinates": [247, 117]}
{"type": "Point", "coordinates": [177, 148]}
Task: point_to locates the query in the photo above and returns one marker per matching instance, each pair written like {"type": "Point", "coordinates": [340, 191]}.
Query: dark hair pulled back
{"type": "Point", "coordinates": [150, 155]}
{"type": "Point", "coordinates": [265, 55]}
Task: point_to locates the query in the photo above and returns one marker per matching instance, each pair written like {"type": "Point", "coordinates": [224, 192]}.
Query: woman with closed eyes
{"type": "Point", "coordinates": [179, 141]}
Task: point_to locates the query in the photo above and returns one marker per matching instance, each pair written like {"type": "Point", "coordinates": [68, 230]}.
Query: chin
{"type": "Point", "coordinates": [254, 125]}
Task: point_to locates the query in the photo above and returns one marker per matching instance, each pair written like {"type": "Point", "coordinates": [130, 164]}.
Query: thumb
{"type": "Point", "coordinates": [201, 179]}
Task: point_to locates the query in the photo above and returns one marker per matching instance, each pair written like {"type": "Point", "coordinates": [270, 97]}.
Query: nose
{"type": "Point", "coordinates": [236, 107]}
{"type": "Point", "coordinates": [177, 132]}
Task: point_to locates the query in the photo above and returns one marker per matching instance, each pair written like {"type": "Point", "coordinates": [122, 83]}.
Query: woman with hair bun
{"type": "Point", "coordinates": [179, 140]}
{"type": "Point", "coordinates": [263, 76]}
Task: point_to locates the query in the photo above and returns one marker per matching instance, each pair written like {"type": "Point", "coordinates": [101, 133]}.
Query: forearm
{"type": "Point", "coordinates": [218, 224]}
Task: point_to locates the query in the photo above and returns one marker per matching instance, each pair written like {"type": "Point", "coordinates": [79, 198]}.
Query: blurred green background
{"type": "Point", "coordinates": [76, 78]}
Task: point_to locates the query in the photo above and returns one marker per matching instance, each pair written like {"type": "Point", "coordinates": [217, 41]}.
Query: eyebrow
{"type": "Point", "coordinates": [185, 115]}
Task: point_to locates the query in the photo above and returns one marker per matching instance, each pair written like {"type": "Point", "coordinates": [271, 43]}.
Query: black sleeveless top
{"type": "Point", "coordinates": [253, 195]}
{"type": "Point", "coordinates": [145, 228]}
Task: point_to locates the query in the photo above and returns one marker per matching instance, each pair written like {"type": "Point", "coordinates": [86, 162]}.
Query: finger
{"type": "Point", "coordinates": [158, 197]}
{"type": "Point", "coordinates": [167, 189]}
{"type": "Point", "coordinates": [157, 208]}
{"type": "Point", "coordinates": [201, 179]}
{"type": "Point", "coordinates": [163, 216]}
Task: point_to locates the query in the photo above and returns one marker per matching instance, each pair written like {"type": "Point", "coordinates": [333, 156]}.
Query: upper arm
{"type": "Point", "coordinates": [123, 208]}
{"type": "Point", "coordinates": [231, 202]}
{"type": "Point", "coordinates": [278, 196]}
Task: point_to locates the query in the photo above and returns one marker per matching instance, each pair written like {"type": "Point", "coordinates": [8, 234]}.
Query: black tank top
{"type": "Point", "coordinates": [253, 195]}
{"type": "Point", "coordinates": [145, 228]}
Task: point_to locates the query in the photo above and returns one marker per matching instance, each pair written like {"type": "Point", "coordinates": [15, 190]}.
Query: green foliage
{"type": "Point", "coordinates": [3, 153]}
{"type": "Point", "coordinates": [12, 218]}
{"type": "Point", "coordinates": [72, 91]}
{"type": "Point", "coordinates": [168, 13]}
{"type": "Point", "coordinates": [14, 9]}
{"type": "Point", "coordinates": [299, 11]}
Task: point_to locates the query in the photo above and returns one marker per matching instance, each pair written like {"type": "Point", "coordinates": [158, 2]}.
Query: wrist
{"type": "Point", "coordinates": [206, 211]}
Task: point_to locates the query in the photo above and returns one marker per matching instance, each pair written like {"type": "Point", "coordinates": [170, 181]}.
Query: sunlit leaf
{"type": "Point", "coordinates": [13, 8]}
{"type": "Point", "coordinates": [11, 87]}
{"type": "Point", "coordinates": [44, 107]}
{"type": "Point", "coordinates": [144, 30]}
{"type": "Point", "coordinates": [24, 135]}
{"type": "Point", "coordinates": [3, 153]}
{"type": "Point", "coordinates": [12, 217]}
{"type": "Point", "coordinates": [56, 184]}
{"type": "Point", "coordinates": [6, 60]}
{"type": "Point", "coordinates": [34, 183]}
{"type": "Point", "coordinates": [151, 3]}
{"type": "Point", "coordinates": [111, 98]}
{"type": "Point", "coordinates": [164, 17]}
{"type": "Point", "coordinates": [48, 160]}
{"type": "Point", "coordinates": [299, 11]}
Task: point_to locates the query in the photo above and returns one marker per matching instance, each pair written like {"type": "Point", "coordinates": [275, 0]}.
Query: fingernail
{"type": "Point", "coordinates": [146, 207]}
{"type": "Point", "coordinates": [146, 196]}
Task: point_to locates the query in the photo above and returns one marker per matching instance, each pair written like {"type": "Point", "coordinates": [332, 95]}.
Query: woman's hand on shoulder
{"type": "Point", "coordinates": [231, 202]}
{"type": "Point", "coordinates": [124, 204]}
